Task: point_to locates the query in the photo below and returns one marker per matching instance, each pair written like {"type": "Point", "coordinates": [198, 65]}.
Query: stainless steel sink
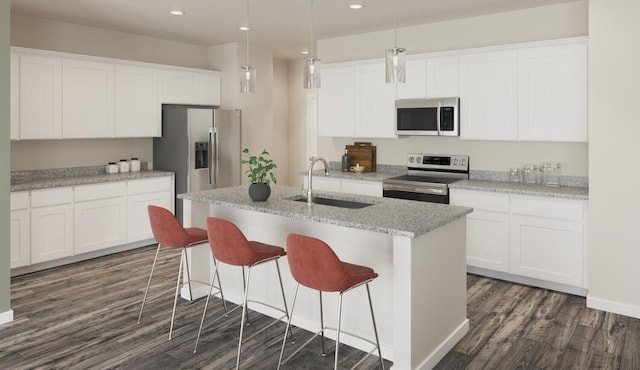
{"type": "Point", "coordinates": [342, 203]}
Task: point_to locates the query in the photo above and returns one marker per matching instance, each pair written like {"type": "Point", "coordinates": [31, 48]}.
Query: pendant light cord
{"type": "Point", "coordinates": [248, 28]}
{"type": "Point", "coordinates": [395, 21]}
{"type": "Point", "coordinates": [313, 53]}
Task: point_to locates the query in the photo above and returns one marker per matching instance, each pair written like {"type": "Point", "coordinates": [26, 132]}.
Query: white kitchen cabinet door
{"type": "Point", "coordinates": [206, 89]}
{"type": "Point", "coordinates": [416, 85]}
{"type": "Point", "coordinates": [487, 228]}
{"type": "Point", "coordinates": [176, 87]}
{"type": "Point", "coordinates": [15, 96]}
{"type": "Point", "coordinates": [87, 99]}
{"type": "Point", "coordinates": [100, 212]}
{"type": "Point", "coordinates": [488, 95]}
{"type": "Point", "coordinates": [552, 93]}
{"type": "Point", "coordinates": [547, 239]}
{"type": "Point", "coordinates": [139, 227]}
{"type": "Point", "coordinates": [442, 77]}
{"type": "Point", "coordinates": [19, 229]}
{"type": "Point", "coordinates": [360, 187]}
{"type": "Point", "coordinates": [137, 108]}
{"type": "Point", "coordinates": [547, 249]}
{"type": "Point", "coordinates": [374, 103]}
{"type": "Point", "coordinates": [336, 102]}
{"type": "Point", "coordinates": [40, 97]}
{"type": "Point", "coordinates": [51, 232]}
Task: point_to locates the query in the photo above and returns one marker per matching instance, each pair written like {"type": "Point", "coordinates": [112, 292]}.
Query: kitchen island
{"type": "Point", "coordinates": [417, 248]}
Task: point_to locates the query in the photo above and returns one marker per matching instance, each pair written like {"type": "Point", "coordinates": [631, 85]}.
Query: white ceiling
{"type": "Point", "coordinates": [282, 25]}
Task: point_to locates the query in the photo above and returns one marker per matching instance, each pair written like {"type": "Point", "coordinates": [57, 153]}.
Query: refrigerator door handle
{"type": "Point", "coordinates": [217, 153]}
{"type": "Point", "coordinates": [210, 157]}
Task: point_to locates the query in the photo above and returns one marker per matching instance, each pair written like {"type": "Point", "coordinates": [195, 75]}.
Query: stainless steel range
{"type": "Point", "coordinates": [428, 177]}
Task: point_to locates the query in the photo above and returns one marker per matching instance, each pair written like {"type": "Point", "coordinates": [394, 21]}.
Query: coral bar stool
{"type": "Point", "coordinates": [230, 246]}
{"type": "Point", "coordinates": [169, 233]}
{"type": "Point", "coordinates": [314, 264]}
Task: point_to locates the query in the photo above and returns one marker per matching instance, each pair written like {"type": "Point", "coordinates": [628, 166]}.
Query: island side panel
{"type": "Point", "coordinates": [351, 245]}
{"type": "Point", "coordinates": [194, 214]}
{"type": "Point", "coordinates": [430, 295]}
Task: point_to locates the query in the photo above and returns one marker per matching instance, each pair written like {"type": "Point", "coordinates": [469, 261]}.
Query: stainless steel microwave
{"type": "Point", "coordinates": [435, 116]}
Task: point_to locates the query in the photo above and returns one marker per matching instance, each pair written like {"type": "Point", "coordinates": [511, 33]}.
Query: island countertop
{"type": "Point", "coordinates": [398, 217]}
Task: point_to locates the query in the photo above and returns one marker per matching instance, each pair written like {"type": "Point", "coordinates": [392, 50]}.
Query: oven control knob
{"type": "Point", "coordinates": [455, 162]}
{"type": "Point", "coordinates": [463, 162]}
{"type": "Point", "coordinates": [419, 160]}
{"type": "Point", "coordinates": [410, 159]}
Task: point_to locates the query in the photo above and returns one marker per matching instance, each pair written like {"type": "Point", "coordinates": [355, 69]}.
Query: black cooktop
{"type": "Point", "coordinates": [433, 179]}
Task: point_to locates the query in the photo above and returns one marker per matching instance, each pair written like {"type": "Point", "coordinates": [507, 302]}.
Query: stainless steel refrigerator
{"type": "Point", "coordinates": [201, 145]}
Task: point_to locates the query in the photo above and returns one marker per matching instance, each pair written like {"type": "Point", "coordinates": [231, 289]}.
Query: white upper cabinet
{"type": "Point", "coordinates": [415, 86]}
{"type": "Point", "coordinates": [442, 77]}
{"type": "Point", "coordinates": [176, 87]}
{"type": "Point", "coordinates": [552, 93]}
{"type": "Point", "coordinates": [336, 101]}
{"type": "Point", "coordinates": [206, 89]}
{"type": "Point", "coordinates": [40, 97]}
{"type": "Point", "coordinates": [87, 99]}
{"type": "Point", "coordinates": [488, 96]}
{"type": "Point", "coordinates": [186, 87]}
{"type": "Point", "coordinates": [137, 109]}
{"type": "Point", "coordinates": [374, 103]}
{"type": "Point", "coordinates": [15, 96]}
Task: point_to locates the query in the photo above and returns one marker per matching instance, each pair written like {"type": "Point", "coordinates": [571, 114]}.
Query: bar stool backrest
{"type": "Point", "coordinates": [167, 229]}
{"type": "Point", "coordinates": [314, 264]}
{"type": "Point", "coordinates": [228, 243]}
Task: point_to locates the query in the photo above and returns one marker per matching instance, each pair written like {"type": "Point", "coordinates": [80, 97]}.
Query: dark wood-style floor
{"type": "Point", "coordinates": [84, 316]}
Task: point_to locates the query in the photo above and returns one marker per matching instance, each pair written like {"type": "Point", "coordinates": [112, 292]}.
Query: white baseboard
{"type": "Point", "coordinates": [6, 317]}
{"type": "Point", "coordinates": [446, 346]}
{"type": "Point", "coordinates": [614, 307]}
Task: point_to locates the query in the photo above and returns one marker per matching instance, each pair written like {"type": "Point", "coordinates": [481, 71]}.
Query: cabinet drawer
{"type": "Point", "coordinates": [562, 209]}
{"type": "Point", "coordinates": [19, 200]}
{"type": "Point", "coordinates": [49, 197]}
{"type": "Point", "coordinates": [149, 185]}
{"type": "Point", "coordinates": [100, 191]}
{"type": "Point", "coordinates": [480, 200]}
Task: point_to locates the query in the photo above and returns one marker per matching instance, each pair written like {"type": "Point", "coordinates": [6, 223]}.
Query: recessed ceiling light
{"type": "Point", "coordinates": [176, 12]}
{"type": "Point", "coordinates": [245, 28]}
{"type": "Point", "coordinates": [356, 6]}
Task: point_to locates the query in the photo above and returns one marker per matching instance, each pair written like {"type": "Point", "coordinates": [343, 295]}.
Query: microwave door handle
{"type": "Point", "coordinates": [438, 117]}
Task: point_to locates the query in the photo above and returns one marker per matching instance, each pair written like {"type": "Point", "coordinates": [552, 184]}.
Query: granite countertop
{"type": "Point", "coordinates": [566, 192]}
{"type": "Point", "coordinates": [387, 215]}
{"type": "Point", "coordinates": [56, 182]}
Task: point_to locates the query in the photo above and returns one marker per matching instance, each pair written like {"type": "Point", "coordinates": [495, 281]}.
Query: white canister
{"type": "Point", "coordinates": [123, 166]}
{"type": "Point", "coordinates": [134, 164]}
{"type": "Point", "coordinates": [111, 168]}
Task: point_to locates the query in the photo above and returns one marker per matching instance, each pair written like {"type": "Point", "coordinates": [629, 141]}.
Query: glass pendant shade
{"type": "Point", "coordinates": [311, 73]}
{"type": "Point", "coordinates": [247, 79]}
{"type": "Point", "coordinates": [395, 65]}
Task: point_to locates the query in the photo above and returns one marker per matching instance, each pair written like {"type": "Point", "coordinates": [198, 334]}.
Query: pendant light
{"type": "Point", "coordinates": [311, 70]}
{"type": "Point", "coordinates": [247, 72]}
{"type": "Point", "coordinates": [395, 57]}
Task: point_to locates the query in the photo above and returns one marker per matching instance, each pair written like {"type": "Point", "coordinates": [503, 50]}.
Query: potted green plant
{"type": "Point", "coordinates": [260, 174]}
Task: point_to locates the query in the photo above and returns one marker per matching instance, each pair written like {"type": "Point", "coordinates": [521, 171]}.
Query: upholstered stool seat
{"type": "Point", "coordinates": [315, 265]}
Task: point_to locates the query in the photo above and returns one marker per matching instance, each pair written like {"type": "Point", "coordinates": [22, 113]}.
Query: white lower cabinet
{"type": "Point", "coordinates": [19, 229]}
{"type": "Point", "coordinates": [100, 216]}
{"type": "Point", "coordinates": [142, 193]}
{"type": "Point", "coordinates": [51, 224]}
{"type": "Point", "coordinates": [534, 237]}
{"type": "Point", "coordinates": [547, 239]}
{"type": "Point", "coordinates": [487, 228]}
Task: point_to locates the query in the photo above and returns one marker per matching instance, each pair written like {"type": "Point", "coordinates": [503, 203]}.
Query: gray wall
{"type": "Point", "coordinates": [5, 280]}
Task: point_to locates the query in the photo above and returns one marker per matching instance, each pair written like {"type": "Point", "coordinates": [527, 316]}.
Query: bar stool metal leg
{"type": "Point", "coordinates": [375, 329]}
{"type": "Point", "coordinates": [206, 304]}
{"type": "Point", "coordinates": [186, 265]}
{"type": "Point", "coordinates": [284, 339]}
{"type": "Point", "coordinates": [175, 299]}
{"type": "Point", "coordinates": [324, 352]}
{"type": "Point", "coordinates": [244, 313]}
{"type": "Point", "coordinates": [335, 364]}
{"type": "Point", "coordinates": [149, 282]}
{"type": "Point", "coordinates": [284, 299]}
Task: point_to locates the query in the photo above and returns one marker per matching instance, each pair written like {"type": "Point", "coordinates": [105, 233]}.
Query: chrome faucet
{"type": "Point", "coordinates": [312, 161]}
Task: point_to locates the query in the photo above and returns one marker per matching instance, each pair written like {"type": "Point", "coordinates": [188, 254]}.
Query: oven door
{"type": "Point", "coordinates": [433, 195]}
